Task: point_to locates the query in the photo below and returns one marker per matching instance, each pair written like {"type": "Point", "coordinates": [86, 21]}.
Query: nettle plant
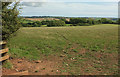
{"type": "Point", "coordinates": [10, 19]}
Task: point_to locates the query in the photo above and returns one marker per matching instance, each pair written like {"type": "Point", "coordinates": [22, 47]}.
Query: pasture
{"type": "Point", "coordinates": [82, 50]}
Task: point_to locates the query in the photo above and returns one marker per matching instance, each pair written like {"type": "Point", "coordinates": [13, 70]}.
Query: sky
{"type": "Point", "coordinates": [70, 8]}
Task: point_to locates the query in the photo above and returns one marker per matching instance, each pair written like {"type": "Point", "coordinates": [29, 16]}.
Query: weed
{"type": "Point", "coordinates": [7, 64]}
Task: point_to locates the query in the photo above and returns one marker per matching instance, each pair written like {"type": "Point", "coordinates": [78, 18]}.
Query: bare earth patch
{"type": "Point", "coordinates": [44, 67]}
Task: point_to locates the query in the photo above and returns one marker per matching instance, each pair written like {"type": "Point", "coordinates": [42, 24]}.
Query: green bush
{"type": "Point", "coordinates": [10, 19]}
{"type": "Point", "coordinates": [28, 23]}
{"type": "Point", "coordinates": [106, 21]}
{"type": "Point", "coordinates": [75, 24]}
{"type": "Point", "coordinates": [83, 24]}
{"type": "Point", "coordinates": [36, 24]}
{"type": "Point", "coordinates": [56, 23]}
{"type": "Point", "coordinates": [45, 22]}
{"type": "Point", "coordinates": [78, 20]}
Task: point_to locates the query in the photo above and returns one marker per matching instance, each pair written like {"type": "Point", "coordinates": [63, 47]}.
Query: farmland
{"type": "Point", "coordinates": [79, 50]}
{"type": "Point", "coordinates": [41, 19]}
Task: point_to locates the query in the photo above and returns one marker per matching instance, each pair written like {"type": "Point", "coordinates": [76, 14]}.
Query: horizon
{"type": "Point", "coordinates": [67, 16]}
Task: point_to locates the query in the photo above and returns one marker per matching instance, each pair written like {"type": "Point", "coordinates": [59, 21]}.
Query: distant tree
{"type": "Point", "coordinates": [118, 21]}
{"type": "Point", "coordinates": [99, 21]}
{"type": "Point", "coordinates": [106, 21]}
{"type": "Point", "coordinates": [45, 22]}
{"type": "Point", "coordinates": [109, 21]}
{"type": "Point", "coordinates": [90, 21]}
{"type": "Point", "coordinates": [83, 24]}
{"type": "Point", "coordinates": [56, 23]}
{"type": "Point", "coordinates": [37, 24]}
{"type": "Point", "coordinates": [63, 19]}
{"type": "Point", "coordinates": [103, 20]}
{"type": "Point", "coordinates": [78, 20]}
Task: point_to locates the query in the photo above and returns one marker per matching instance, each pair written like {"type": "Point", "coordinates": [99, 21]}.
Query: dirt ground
{"type": "Point", "coordinates": [39, 67]}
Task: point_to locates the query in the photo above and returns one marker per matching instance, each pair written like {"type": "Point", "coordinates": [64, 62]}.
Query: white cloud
{"type": "Point", "coordinates": [70, 0]}
{"type": "Point", "coordinates": [63, 0]}
{"type": "Point", "coordinates": [32, 4]}
{"type": "Point", "coordinates": [74, 9]}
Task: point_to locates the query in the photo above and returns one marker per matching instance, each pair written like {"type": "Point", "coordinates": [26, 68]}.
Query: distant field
{"type": "Point", "coordinates": [84, 49]}
{"type": "Point", "coordinates": [41, 19]}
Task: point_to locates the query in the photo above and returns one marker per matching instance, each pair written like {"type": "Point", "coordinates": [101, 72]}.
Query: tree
{"type": "Point", "coordinates": [78, 20]}
{"type": "Point", "coordinates": [90, 21]}
{"type": "Point", "coordinates": [56, 23]}
{"type": "Point", "coordinates": [106, 21]}
{"type": "Point", "coordinates": [37, 24]}
{"type": "Point", "coordinates": [10, 19]}
{"type": "Point", "coordinates": [45, 22]}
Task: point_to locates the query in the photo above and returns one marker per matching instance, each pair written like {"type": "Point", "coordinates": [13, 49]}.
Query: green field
{"type": "Point", "coordinates": [86, 49]}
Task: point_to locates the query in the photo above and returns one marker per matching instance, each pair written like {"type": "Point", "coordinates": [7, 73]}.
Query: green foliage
{"type": "Point", "coordinates": [73, 22]}
{"type": "Point", "coordinates": [118, 21]}
{"type": "Point", "coordinates": [10, 19]}
{"type": "Point", "coordinates": [56, 23]}
{"type": "Point", "coordinates": [77, 20]}
{"type": "Point", "coordinates": [45, 22]}
{"type": "Point", "coordinates": [63, 19]}
{"type": "Point", "coordinates": [37, 24]}
{"type": "Point", "coordinates": [90, 21]}
{"type": "Point", "coordinates": [29, 23]}
{"type": "Point", "coordinates": [82, 21]}
{"type": "Point", "coordinates": [106, 21]}
{"type": "Point", "coordinates": [7, 64]}
{"type": "Point", "coordinates": [83, 24]}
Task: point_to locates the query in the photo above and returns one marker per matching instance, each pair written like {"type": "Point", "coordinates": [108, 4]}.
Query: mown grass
{"type": "Point", "coordinates": [87, 49]}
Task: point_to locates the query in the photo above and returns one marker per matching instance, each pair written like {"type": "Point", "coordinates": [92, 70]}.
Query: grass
{"type": "Point", "coordinates": [44, 26]}
{"type": "Point", "coordinates": [88, 49]}
{"type": "Point", "coordinates": [68, 24]}
{"type": "Point", "coordinates": [7, 64]}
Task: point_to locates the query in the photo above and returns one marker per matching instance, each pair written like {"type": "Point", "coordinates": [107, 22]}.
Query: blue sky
{"type": "Point", "coordinates": [76, 8]}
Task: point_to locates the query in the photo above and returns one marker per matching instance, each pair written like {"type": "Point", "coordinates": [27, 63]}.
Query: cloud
{"type": "Point", "coordinates": [74, 9]}
{"type": "Point", "coordinates": [32, 4]}
{"type": "Point", "coordinates": [62, 0]}
{"type": "Point", "coordinates": [70, 0]}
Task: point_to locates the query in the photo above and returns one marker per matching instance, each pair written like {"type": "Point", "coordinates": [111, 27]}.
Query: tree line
{"type": "Point", "coordinates": [71, 22]}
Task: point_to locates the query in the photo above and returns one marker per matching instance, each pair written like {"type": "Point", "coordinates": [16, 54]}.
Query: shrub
{"type": "Point", "coordinates": [78, 20]}
{"type": "Point", "coordinates": [36, 24]}
{"type": "Point", "coordinates": [28, 23]}
{"type": "Point", "coordinates": [10, 20]}
{"type": "Point", "coordinates": [83, 24]}
{"type": "Point", "coordinates": [45, 22]}
{"type": "Point", "coordinates": [71, 25]}
{"type": "Point", "coordinates": [106, 21]}
{"type": "Point", "coordinates": [75, 24]}
{"type": "Point", "coordinates": [56, 23]}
